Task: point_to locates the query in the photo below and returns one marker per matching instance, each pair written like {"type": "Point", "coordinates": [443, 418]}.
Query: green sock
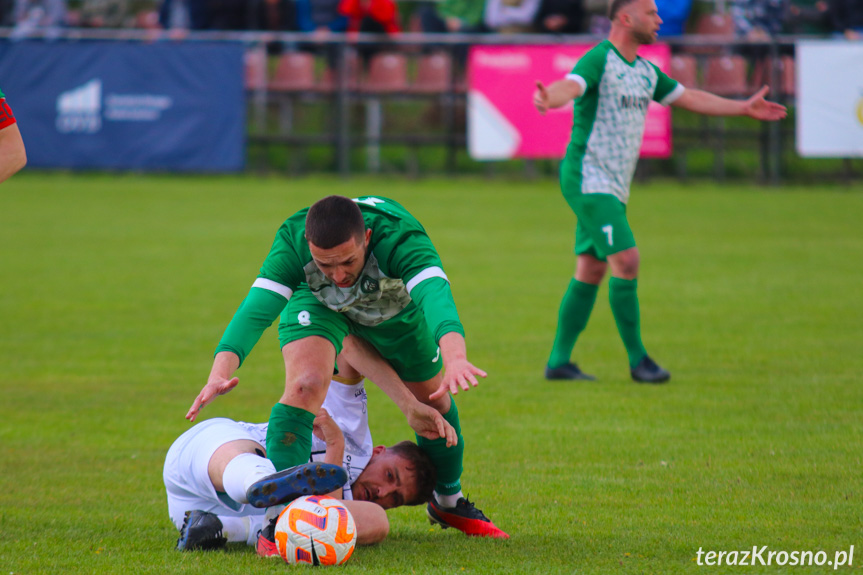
{"type": "Point", "coordinates": [447, 460]}
{"type": "Point", "coordinates": [623, 295]}
{"type": "Point", "coordinates": [289, 436]}
{"type": "Point", "coordinates": [571, 320]}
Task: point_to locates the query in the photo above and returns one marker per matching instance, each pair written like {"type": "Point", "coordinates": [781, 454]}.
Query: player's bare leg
{"type": "Point", "coordinates": [308, 370]}
{"type": "Point", "coordinates": [236, 468]}
{"type": "Point", "coordinates": [371, 521]}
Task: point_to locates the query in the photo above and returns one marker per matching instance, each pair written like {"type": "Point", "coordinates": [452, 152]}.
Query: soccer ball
{"type": "Point", "coordinates": [316, 530]}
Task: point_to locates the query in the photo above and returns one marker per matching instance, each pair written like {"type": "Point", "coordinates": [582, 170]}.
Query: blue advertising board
{"type": "Point", "coordinates": [168, 106]}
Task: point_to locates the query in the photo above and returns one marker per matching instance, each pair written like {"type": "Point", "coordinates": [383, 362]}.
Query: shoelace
{"type": "Point", "coordinates": [470, 509]}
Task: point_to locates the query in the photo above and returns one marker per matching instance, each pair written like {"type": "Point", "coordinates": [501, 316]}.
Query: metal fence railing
{"type": "Point", "coordinates": [368, 102]}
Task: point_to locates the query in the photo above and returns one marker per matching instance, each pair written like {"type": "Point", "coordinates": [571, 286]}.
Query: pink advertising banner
{"type": "Point", "coordinates": [502, 122]}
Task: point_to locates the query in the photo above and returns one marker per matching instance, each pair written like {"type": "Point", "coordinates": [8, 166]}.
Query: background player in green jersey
{"type": "Point", "coordinates": [612, 88]}
{"type": "Point", "coordinates": [13, 157]}
{"type": "Point", "coordinates": [367, 268]}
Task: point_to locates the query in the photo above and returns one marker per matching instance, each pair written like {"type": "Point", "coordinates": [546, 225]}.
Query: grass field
{"type": "Point", "coordinates": [115, 290]}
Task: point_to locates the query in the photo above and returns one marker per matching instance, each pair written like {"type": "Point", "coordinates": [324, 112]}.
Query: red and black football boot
{"type": "Point", "coordinates": [465, 517]}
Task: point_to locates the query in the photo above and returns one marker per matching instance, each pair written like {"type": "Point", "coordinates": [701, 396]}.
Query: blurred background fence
{"type": "Point", "coordinates": [396, 101]}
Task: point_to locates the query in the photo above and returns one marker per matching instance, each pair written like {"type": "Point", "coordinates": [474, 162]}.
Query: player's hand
{"type": "Point", "coordinates": [760, 109]}
{"type": "Point", "coordinates": [326, 429]}
{"type": "Point", "coordinates": [213, 389]}
{"type": "Point", "coordinates": [427, 422]}
{"type": "Point", "coordinates": [460, 374]}
{"type": "Point", "coordinates": [540, 98]}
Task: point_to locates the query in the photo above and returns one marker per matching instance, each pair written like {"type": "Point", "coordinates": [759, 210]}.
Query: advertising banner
{"type": "Point", "coordinates": [168, 106]}
{"type": "Point", "coordinates": [502, 122]}
{"type": "Point", "coordinates": [829, 98]}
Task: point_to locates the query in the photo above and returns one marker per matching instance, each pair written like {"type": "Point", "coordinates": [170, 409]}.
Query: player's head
{"type": "Point", "coordinates": [338, 238]}
{"type": "Point", "coordinates": [399, 475]}
{"type": "Point", "coordinates": [640, 18]}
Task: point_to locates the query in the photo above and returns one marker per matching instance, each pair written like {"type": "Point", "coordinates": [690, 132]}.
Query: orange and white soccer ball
{"type": "Point", "coordinates": [316, 530]}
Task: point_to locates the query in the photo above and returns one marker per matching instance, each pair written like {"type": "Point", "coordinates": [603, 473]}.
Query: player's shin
{"type": "Point", "coordinates": [447, 460]}
{"type": "Point", "coordinates": [575, 309]}
{"type": "Point", "coordinates": [289, 436]}
{"type": "Point", "coordinates": [623, 296]}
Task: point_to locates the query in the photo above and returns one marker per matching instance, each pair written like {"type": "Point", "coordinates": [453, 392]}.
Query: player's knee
{"type": "Point", "coordinates": [625, 264]}
{"type": "Point", "coordinates": [375, 529]}
{"type": "Point", "coordinates": [591, 275]}
{"type": "Point", "coordinates": [590, 270]}
{"type": "Point", "coordinates": [305, 388]}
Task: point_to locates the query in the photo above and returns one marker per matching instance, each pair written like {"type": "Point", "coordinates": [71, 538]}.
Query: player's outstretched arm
{"type": "Point", "coordinates": [555, 95]}
{"type": "Point", "coordinates": [460, 373]}
{"type": "Point", "coordinates": [425, 420]}
{"type": "Point", "coordinates": [219, 383]}
{"type": "Point", "coordinates": [709, 104]}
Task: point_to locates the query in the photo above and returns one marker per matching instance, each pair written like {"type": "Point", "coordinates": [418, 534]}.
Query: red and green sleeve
{"type": "Point", "coordinates": [6, 116]}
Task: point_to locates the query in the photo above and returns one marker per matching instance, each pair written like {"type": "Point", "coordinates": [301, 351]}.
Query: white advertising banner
{"type": "Point", "coordinates": [829, 98]}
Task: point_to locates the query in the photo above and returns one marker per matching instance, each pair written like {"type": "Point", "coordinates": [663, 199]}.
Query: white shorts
{"type": "Point", "coordinates": [186, 475]}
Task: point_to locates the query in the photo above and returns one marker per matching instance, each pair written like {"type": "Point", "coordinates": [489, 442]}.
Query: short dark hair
{"type": "Point", "coordinates": [421, 464]}
{"type": "Point", "coordinates": [615, 6]}
{"type": "Point", "coordinates": [333, 221]}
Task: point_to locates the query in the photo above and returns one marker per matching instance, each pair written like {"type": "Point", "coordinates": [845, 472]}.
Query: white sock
{"type": "Point", "coordinates": [256, 522]}
{"type": "Point", "coordinates": [236, 529]}
{"type": "Point", "coordinates": [273, 512]}
{"type": "Point", "coordinates": [242, 471]}
{"type": "Point", "coordinates": [448, 500]}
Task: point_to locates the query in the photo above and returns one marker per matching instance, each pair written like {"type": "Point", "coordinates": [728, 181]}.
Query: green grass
{"type": "Point", "coordinates": [115, 290]}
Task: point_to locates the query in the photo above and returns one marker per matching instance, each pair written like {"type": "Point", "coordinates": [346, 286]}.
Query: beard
{"type": "Point", "coordinates": [644, 37]}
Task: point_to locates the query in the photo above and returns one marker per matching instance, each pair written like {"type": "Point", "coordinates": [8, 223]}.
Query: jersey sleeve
{"type": "Point", "coordinates": [405, 251]}
{"type": "Point", "coordinates": [416, 261]}
{"type": "Point", "coordinates": [257, 312]}
{"type": "Point", "coordinates": [588, 69]}
{"type": "Point", "coordinates": [434, 297]}
{"type": "Point", "coordinates": [667, 90]}
{"type": "Point", "coordinates": [282, 270]}
{"type": "Point", "coordinates": [6, 116]}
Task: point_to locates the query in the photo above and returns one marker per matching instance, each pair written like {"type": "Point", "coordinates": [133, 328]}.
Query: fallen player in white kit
{"type": "Point", "coordinates": [217, 476]}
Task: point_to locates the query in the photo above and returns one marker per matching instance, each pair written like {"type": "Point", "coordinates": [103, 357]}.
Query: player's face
{"type": "Point", "coordinates": [644, 21]}
{"type": "Point", "coordinates": [386, 480]}
{"type": "Point", "coordinates": [343, 263]}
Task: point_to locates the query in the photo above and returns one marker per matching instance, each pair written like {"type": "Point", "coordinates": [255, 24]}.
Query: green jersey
{"type": "Point", "coordinates": [609, 118]}
{"type": "Point", "coordinates": [401, 262]}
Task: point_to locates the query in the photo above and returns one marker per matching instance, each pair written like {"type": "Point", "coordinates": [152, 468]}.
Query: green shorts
{"type": "Point", "coordinates": [405, 340]}
{"type": "Point", "coordinates": [602, 228]}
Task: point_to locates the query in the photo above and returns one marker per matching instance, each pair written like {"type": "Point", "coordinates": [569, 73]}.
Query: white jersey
{"type": "Point", "coordinates": [186, 474]}
{"type": "Point", "coordinates": [347, 405]}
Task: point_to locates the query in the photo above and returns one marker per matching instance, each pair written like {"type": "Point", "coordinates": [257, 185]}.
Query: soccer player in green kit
{"type": "Point", "coordinates": [612, 88]}
{"type": "Point", "coordinates": [364, 267]}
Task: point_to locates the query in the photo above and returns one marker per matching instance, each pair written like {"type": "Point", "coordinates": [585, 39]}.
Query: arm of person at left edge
{"type": "Point", "coordinates": [13, 156]}
{"type": "Point", "coordinates": [757, 107]}
{"type": "Point", "coordinates": [434, 298]}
